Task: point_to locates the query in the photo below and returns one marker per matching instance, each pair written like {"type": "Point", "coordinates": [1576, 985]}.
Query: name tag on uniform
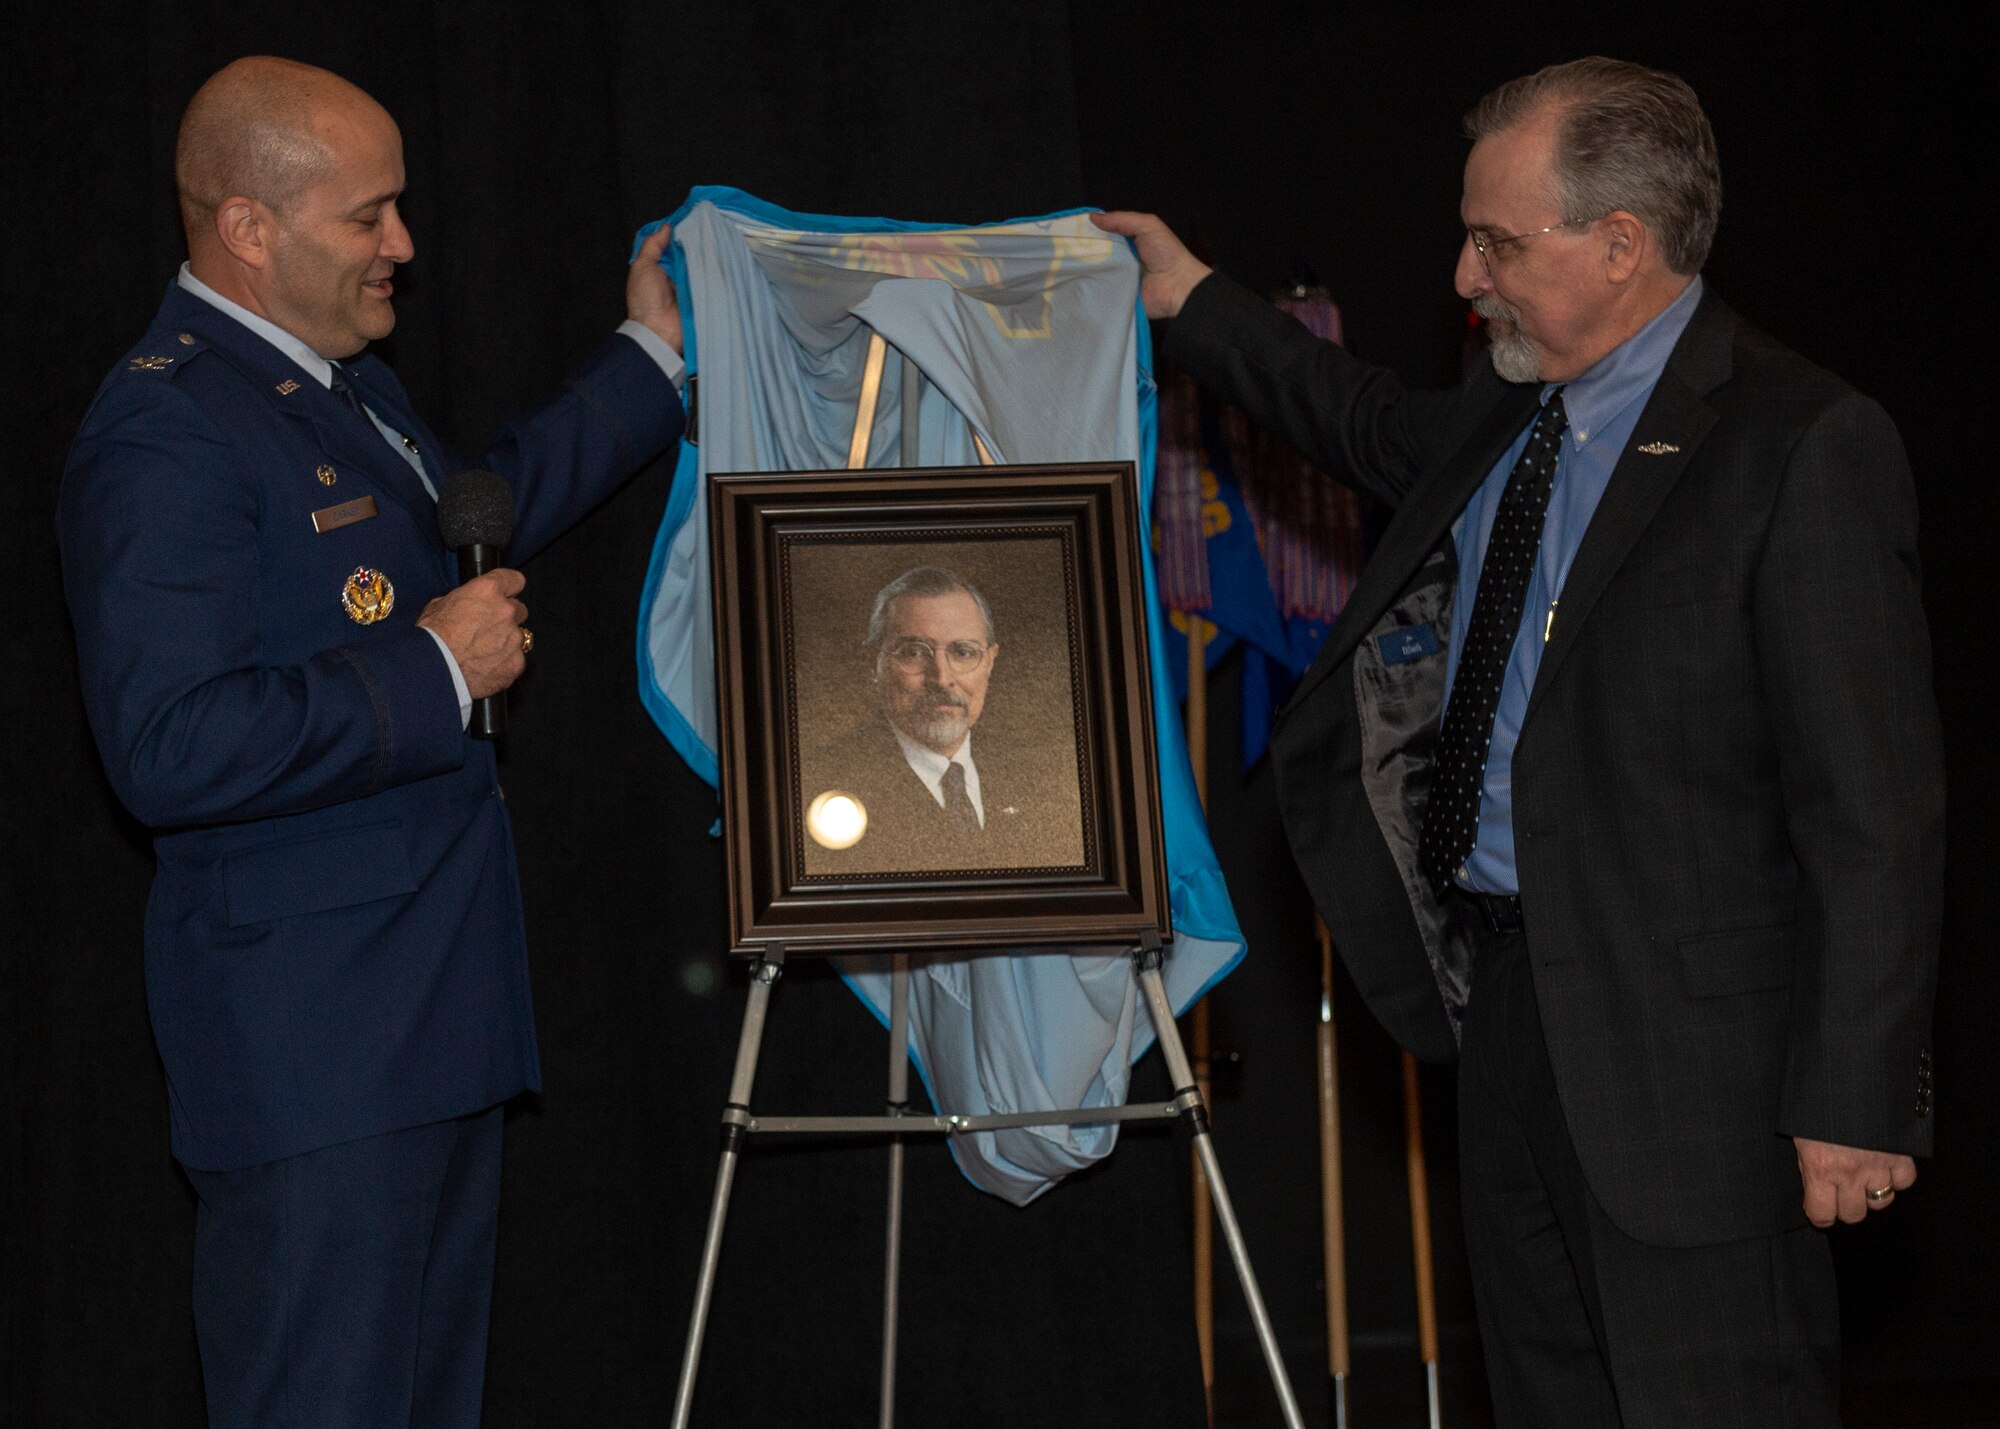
{"type": "Point", "coordinates": [1412, 642]}
{"type": "Point", "coordinates": [332, 518]}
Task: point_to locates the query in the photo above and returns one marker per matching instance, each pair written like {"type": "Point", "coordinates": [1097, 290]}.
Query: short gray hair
{"type": "Point", "coordinates": [923, 582]}
{"type": "Point", "coordinates": [1627, 137]}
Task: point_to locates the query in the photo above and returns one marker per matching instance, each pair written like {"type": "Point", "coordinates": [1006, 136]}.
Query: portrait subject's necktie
{"type": "Point", "coordinates": [957, 802]}
{"type": "Point", "coordinates": [1451, 820]}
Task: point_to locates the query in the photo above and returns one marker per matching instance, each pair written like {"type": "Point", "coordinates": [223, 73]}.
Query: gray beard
{"type": "Point", "coordinates": [1513, 358]}
{"type": "Point", "coordinates": [941, 731]}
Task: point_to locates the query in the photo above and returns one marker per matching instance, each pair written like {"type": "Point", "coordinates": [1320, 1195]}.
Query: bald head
{"type": "Point", "coordinates": [260, 129]}
{"type": "Point", "coordinates": [290, 180]}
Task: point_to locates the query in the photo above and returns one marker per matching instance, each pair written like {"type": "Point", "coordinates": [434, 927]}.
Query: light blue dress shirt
{"type": "Point", "coordinates": [321, 371]}
{"type": "Point", "coordinates": [1603, 406]}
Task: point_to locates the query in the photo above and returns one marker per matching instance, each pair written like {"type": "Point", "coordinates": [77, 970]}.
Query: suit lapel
{"type": "Point", "coordinates": [356, 449]}
{"type": "Point", "coordinates": [1419, 523]}
{"type": "Point", "coordinates": [1670, 429]}
{"type": "Point", "coordinates": [355, 440]}
{"type": "Point", "coordinates": [386, 402]}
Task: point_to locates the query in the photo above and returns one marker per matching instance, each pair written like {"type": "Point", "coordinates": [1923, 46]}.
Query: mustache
{"type": "Point", "coordinates": [943, 700]}
{"type": "Point", "coordinates": [1493, 310]}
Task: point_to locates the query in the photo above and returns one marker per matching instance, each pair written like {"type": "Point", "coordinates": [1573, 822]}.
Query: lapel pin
{"type": "Point", "coordinates": [287, 387]}
{"type": "Point", "coordinates": [151, 364]}
{"type": "Point", "coordinates": [367, 597]}
{"type": "Point", "coordinates": [327, 475]}
{"type": "Point", "coordinates": [1659, 448]}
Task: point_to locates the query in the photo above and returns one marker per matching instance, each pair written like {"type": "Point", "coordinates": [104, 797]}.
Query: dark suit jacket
{"type": "Point", "coordinates": [1728, 790]}
{"type": "Point", "coordinates": [334, 945]}
{"type": "Point", "coordinates": [1032, 809]}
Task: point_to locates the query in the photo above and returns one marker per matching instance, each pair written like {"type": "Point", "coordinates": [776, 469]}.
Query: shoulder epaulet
{"type": "Point", "coordinates": [163, 358]}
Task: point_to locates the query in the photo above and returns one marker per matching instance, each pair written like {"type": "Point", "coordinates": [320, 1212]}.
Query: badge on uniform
{"type": "Point", "coordinates": [367, 597]}
{"type": "Point", "coordinates": [332, 518]}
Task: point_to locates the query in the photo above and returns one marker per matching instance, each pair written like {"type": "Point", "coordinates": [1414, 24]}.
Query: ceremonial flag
{"type": "Point", "coordinates": [1252, 539]}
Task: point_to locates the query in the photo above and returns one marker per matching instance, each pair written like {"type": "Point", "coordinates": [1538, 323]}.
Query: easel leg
{"type": "Point", "coordinates": [735, 1117]}
{"type": "Point", "coordinates": [1147, 963]}
{"type": "Point", "coordinates": [899, 1096]}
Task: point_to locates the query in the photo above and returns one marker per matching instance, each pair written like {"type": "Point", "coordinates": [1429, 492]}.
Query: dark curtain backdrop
{"type": "Point", "coordinates": [1291, 139]}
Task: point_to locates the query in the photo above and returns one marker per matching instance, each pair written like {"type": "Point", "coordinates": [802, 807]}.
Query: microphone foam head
{"type": "Point", "coordinates": [475, 508]}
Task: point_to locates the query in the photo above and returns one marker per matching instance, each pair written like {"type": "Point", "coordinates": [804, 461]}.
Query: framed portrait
{"type": "Point", "coordinates": [935, 709]}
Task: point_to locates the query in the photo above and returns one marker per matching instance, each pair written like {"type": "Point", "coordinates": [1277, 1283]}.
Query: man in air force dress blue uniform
{"type": "Point", "coordinates": [278, 662]}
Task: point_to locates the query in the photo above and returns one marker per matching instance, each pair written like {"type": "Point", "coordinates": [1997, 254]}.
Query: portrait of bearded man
{"type": "Point", "coordinates": [929, 786]}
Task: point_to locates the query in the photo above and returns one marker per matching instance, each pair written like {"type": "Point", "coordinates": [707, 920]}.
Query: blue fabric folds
{"type": "Point", "coordinates": [1027, 335]}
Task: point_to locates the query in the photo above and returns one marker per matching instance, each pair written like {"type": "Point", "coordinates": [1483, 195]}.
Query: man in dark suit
{"type": "Point", "coordinates": [1620, 774]}
{"type": "Point", "coordinates": [278, 663]}
{"type": "Point", "coordinates": [930, 804]}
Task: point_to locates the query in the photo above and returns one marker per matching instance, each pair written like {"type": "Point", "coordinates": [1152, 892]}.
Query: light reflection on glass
{"type": "Point", "coordinates": [836, 819]}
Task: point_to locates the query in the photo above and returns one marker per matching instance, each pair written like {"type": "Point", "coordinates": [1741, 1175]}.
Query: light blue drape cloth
{"type": "Point", "coordinates": [1028, 334]}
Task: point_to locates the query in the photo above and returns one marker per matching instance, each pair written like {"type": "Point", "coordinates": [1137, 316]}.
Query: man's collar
{"type": "Point", "coordinates": [927, 760]}
{"type": "Point", "coordinates": [316, 366]}
{"type": "Point", "coordinates": [1628, 371]}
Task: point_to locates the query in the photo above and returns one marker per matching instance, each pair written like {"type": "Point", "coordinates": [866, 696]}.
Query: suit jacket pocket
{"type": "Point", "coordinates": [1742, 960]}
{"type": "Point", "coordinates": [317, 873]}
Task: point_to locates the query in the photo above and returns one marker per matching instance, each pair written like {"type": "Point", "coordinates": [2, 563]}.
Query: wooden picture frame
{"type": "Point", "coordinates": [1042, 601]}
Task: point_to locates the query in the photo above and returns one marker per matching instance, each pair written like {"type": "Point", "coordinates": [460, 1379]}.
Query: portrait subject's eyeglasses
{"type": "Point", "coordinates": [961, 657]}
{"type": "Point", "coordinates": [1489, 245]}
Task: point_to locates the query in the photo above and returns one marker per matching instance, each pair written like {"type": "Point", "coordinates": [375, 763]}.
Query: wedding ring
{"type": "Point", "coordinates": [1876, 1198]}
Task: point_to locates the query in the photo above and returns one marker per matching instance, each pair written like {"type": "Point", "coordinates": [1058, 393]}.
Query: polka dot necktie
{"type": "Point", "coordinates": [957, 802]}
{"type": "Point", "coordinates": [1451, 823]}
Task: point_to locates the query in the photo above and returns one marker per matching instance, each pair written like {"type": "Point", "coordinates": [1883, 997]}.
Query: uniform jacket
{"type": "Point", "coordinates": [1728, 789]}
{"type": "Point", "coordinates": [334, 945]}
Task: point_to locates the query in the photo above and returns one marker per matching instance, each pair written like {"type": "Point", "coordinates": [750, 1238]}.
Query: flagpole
{"type": "Point", "coordinates": [1420, 1233]}
{"type": "Point", "coordinates": [1198, 631]}
{"type": "Point", "coordinates": [1332, 1213]}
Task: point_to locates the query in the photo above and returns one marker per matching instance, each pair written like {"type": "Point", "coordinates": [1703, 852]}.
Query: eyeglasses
{"type": "Point", "coordinates": [1487, 244]}
{"type": "Point", "coordinates": [961, 657]}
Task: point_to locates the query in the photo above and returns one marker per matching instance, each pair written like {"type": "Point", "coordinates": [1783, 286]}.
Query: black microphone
{"type": "Point", "coordinates": [476, 518]}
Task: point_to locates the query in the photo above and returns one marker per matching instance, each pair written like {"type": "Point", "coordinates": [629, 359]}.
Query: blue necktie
{"type": "Point", "coordinates": [1451, 821]}
{"type": "Point", "coordinates": [344, 390]}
